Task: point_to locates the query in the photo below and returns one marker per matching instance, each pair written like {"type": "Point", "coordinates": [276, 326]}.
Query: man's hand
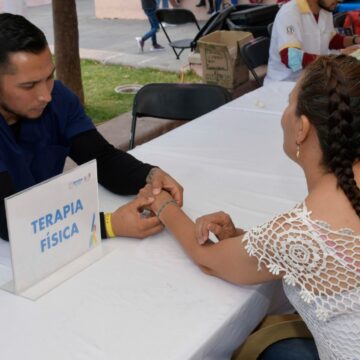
{"type": "Point", "coordinates": [128, 220]}
{"type": "Point", "coordinates": [160, 180]}
{"type": "Point", "coordinates": [147, 192]}
{"type": "Point", "coordinates": [350, 49]}
{"type": "Point", "coordinates": [218, 223]}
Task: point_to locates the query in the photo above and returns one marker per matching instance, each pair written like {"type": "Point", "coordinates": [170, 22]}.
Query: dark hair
{"type": "Point", "coordinates": [18, 34]}
{"type": "Point", "coordinates": [329, 95]}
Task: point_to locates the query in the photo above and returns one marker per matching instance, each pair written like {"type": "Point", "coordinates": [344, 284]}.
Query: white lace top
{"type": "Point", "coordinates": [322, 276]}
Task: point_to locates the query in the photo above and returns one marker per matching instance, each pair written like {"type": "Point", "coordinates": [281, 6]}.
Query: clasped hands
{"type": "Point", "coordinates": [219, 223]}
{"type": "Point", "coordinates": [129, 220]}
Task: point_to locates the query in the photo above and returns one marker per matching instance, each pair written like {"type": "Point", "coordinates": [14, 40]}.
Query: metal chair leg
{"type": "Point", "coordinates": [132, 133]}
{"type": "Point", "coordinates": [176, 54]}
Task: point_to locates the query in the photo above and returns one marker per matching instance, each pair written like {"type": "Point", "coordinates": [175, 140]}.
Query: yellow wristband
{"type": "Point", "coordinates": [108, 226]}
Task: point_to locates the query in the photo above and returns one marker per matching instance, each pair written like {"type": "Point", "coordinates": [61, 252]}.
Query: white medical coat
{"type": "Point", "coordinates": [295, 26]}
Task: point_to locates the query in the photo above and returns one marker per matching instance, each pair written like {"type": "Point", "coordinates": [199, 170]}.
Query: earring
{"type": "Point", "coordinates": [297, 151]}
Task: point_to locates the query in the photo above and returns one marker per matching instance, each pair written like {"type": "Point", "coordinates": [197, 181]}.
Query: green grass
{"type": "Point", "coordinates": [99, 81]}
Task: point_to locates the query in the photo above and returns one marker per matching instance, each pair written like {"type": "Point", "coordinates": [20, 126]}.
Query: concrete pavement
{"type": "Point", "coordinates": [113, 40]}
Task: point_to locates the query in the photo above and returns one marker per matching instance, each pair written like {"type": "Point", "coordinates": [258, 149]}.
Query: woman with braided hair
{"type": "Point", "coordinates": [315, 247]}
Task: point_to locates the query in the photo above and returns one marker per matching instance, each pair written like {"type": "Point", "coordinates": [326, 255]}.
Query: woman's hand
{"type": "Point", "coordinates": [218, 223]}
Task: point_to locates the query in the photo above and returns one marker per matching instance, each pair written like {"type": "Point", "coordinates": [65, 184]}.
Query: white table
{"type": "Point", "coordinates": [270, 99]}
{"type": "Point", "coordinates": [146, 299]}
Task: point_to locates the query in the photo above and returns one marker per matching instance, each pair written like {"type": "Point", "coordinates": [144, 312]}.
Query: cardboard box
{"type": "Point", "coordinates": [221, 60]}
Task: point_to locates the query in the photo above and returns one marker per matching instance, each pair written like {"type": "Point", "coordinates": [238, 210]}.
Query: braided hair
{"type": "Point", "coordinates": [329, 95]}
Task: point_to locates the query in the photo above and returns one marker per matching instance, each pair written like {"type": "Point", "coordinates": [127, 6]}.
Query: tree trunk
{"type": "Point", "coordinates": [66, 36]}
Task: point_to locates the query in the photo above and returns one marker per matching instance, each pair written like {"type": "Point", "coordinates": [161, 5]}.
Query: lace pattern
{"type": "Point", "coordinates": [325, 264]}
{"type": "Point", "coordinates": [321, 270]}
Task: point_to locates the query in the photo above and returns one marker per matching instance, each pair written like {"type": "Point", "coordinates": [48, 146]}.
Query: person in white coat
{"type": "Point", "coordinates": [303, 30]}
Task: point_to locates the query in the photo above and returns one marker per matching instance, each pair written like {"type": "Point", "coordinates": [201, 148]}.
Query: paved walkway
{"type": "Point", "coordinates": [113, 40]}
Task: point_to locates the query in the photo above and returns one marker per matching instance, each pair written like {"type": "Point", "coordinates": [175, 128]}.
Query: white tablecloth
{"type": "Point", "coordinates": [269, 99]}
{"type": "Point", "coordinates": [146, 299]}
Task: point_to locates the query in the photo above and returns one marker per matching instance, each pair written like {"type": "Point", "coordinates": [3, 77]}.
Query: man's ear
{"type": "Point", "coordinates": [303, 129]}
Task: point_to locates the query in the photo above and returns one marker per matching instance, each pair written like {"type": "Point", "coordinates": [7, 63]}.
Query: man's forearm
{"type": "Point", "coordinates": [351, 40]}
{"type": "Point", "coordinates": [118, 171]}
{"type": "Point", "coordinates": [296, 59]}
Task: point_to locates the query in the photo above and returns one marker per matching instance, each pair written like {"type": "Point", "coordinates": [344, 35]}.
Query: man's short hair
{"type": "Point", "coordinates": [18, 34]}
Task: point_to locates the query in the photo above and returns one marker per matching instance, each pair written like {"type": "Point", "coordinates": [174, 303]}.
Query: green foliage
{"type": "Point", "coordinates": [102, 102]}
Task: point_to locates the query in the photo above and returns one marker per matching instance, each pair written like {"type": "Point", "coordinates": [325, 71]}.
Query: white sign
{"type": "Point", "coordinates": [52, 224]}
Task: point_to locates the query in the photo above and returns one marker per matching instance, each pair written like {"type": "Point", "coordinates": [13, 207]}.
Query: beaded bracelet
{"type": "Point", "coordinates": [108, 226]}
{"type": "Point", "coordinates": [164, 205]}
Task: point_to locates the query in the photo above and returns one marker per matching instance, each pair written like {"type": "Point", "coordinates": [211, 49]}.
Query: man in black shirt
{"type": "Point", "coordinates": [42, 122]}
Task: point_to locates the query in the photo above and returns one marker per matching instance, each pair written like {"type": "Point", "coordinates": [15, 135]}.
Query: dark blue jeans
{"type": "Point", "coordinates": [165, 4]}
{"type": "Point", "coordinates": [291, 349]}
{"type": "Point", "coordinates": [154, 26]}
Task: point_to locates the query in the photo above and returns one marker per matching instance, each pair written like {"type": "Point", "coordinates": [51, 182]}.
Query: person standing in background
{"type": "Point", "coordinates": [218, 5]}
{"type": "Point", "coordinates": [211, 5]}
{"type": "Point", "coordinates": [150, 7]}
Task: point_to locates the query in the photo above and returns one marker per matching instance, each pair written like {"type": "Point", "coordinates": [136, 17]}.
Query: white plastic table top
{"type": "Point", "coordinates": [146, 299]}
{"type": "Point", "coordinates": [269, 99]}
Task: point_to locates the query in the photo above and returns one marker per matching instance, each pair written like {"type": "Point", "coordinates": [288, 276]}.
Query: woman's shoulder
{"type": "Point", "coordinates": [321, 262]}
{"type": "Point", "coordinates": [334, 210]}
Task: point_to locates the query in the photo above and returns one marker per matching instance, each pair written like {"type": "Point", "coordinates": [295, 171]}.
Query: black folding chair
{"type": "Point", "coordinates": [256, 53]}
{"type": "Point", "coordinates": [269, 28]}
{"type": "Point", "coordinates": [176, 102]}
{"type": "Point", "coordinates": [253, 19]}
{"type": "Point", "coordinates": [177, 17]}
{"type": "Point", "coordinates": [216, 21]}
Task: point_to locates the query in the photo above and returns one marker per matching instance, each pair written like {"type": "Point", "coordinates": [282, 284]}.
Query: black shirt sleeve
{"type": "Point", "coordinates": [7, 188]}
{"type": "Point", "coordinates": [118, 171]}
